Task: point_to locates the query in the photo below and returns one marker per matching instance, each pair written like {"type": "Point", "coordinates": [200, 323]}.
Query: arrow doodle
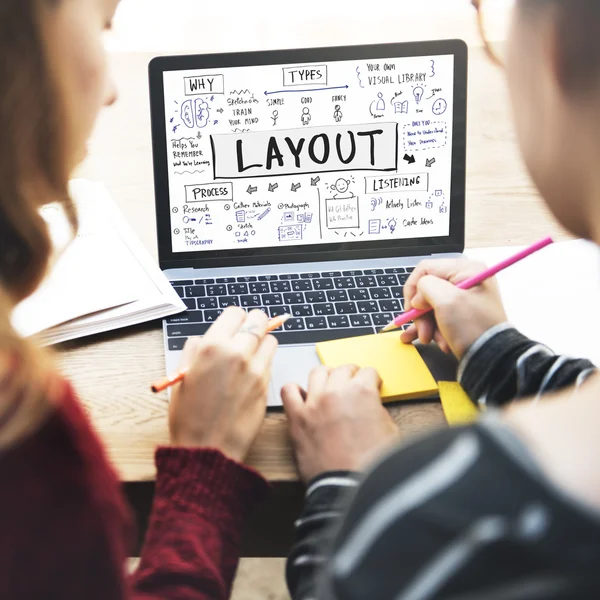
{"type": "Point", "coordinates": [273, 186]}
{"type": "Point", "coordinates": [296, 187]}
{"type": "Point", "coordinates": [251, 189]}
{"type": "Point", "coordinates": [337, 87]}
{"type": "Point", "coordinates": [429, 162]}
{"type": "Point", "coordinates": [410, 159]}
{"type": "Point", "coordinates": [314, 180]}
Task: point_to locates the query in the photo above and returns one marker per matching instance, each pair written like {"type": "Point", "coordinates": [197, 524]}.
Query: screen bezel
{"type": "Point", "coordinates": [454, 242]}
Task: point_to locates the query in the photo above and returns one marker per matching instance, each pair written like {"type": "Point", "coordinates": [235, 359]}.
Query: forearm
{"type": "Point", "coordinates": [503, 365]}
{"type": "Point", "coordinates": [326, 499]}
{"type": "Point", "coordinates": [192, 544]}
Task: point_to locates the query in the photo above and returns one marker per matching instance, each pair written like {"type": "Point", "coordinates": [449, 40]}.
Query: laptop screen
{"type": "Point", "coordinates": [273, 156]}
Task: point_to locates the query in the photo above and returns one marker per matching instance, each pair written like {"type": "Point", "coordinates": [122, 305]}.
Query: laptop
{"type": "Point", "coordinates": [307, 181]}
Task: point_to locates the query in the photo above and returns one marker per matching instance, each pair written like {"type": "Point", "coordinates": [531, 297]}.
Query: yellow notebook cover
{"type": "Point", "coordinates": [458, 407]}
{"type": "Point", "coordinates": [404, 373]}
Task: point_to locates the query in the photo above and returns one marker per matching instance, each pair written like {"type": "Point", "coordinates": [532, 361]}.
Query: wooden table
{"type": "Point", "coordinates": [112, 371]}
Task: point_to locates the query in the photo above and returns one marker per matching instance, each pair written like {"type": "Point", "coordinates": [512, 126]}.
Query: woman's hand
{"type": "Point", "coordinates": [340, 423]}
{"type": "Point", "coordinates": [460, 317]}
{"type": "Point", "coordinates": [221, 403]}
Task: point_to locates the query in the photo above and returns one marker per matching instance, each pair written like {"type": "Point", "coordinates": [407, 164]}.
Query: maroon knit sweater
{"type": "Point", "coordinates": [65, 529]}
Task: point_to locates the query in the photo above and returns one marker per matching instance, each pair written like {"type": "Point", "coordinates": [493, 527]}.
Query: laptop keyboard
{"type": "Point", "coordinates": [324, 305]}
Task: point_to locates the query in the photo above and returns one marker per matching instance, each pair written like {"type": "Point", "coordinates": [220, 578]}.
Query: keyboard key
{"type": "Point", "coordinates": [398, 292]}
{"type": "Point", "coordinates": [215, 290]}
{"type": "Point", "coordinates": [290, 276]}
{"type": "Point", "coordinates": [280, 286]}
{"type": "Point", "coordinates": [323, 284]}
{"type": "Point", "coordinates": [204, 281]}
{"type": "Point", "coordinates": [309, 275]}
{"type": "Point", "coordinates": [187, 330]}
{"type": "Point", "coordinates": [268, 278]}
{"type": "Point", "coordinates": [182, 282]}
{"type": "Point", "coordinates": [344, 283]}
{"type": "Point", "coordinates": [195, 290]}
{"type": "Point", "coordinates": [346, 308]}
{"type": "Point", "coordinates": [396, 270]}
{"type": "Point", "coordinates": [246, 279]}
{"type": "Point", "coordinates": [352, 273]}
{"type": "Point", "coordinates": [331, 274]}
{"type": "Point", "coordinates": [373, 271]}
{"type": "Point", "coordinates": [410, 269]}
{"type": "Point", "coordinates": [382, 319]}
{"type": "Point", "coordinates": [177, 343]}
{"type": "Point", "coordinates": [208, 302]}
{"type": "Point", "coordinates": [366, 281]}
{"type": "Point", "coordinates": [380, 293]}
{"type": "Point", "coordinates": [314, 297]}
{"type": "Point", "coordinates": [190, 316]}
{"type": "Point", "coordinates": [294, 325]}
{"type": "Point", "coordinates": [225, 301]}
{"type": "Point", "coordinates": [324, 309]}
{"type": "Point", "coordinates": [367, 307]}
{"type": "Point", "coordinates": [316, 323]}
{"type": "Point", "coordinates": [259, 288]}
{"type": "Point", "coordinates": [393, 305]}
{"type": "Point", "coordinates": [303, 285]}
{"type": "Point", "coordinates": [180, 292]}
{"type": "Point", "coordinates": [237, 289]}
{"type": "Point", "coordinates": [302, 310]}
{"type": "Point", "coordinates": [190, 303]}
{"type": "Point", "coordinates": [360, 294]}
{"type": "Point", "coordinates": [387, 280]}
{"type": "Point", "coordinates": [360, 321]}
{"type": "Point", "coordinates": [212, 315]}
{"type": "Point", "coordinates": [337, 296]}
{"type": "Point", "coordinates": [277, 311]}
{"type": "Point", "coordinates": [313, 336]}
{"type": "Point", "coordinates": [250, 301]}
{"type": "Point", "coordinates": [294, 298]}
{"type": "Point", "coordinates": [226, 280]}
{"type": "Point", "coordinates": [272, 300]}
{"type": "Point", "coordinates": [402, 279]}
{"type": "Point", "coordinates": [338, 321]}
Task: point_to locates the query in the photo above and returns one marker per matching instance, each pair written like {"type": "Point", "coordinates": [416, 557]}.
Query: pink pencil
{"type": "Point", "coordinates": [412, 314]}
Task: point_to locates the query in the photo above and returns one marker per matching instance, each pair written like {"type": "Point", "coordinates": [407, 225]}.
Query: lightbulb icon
{"type": "Point", "coordinates": [418, 93]}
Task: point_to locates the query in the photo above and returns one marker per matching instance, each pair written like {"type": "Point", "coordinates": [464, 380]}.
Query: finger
{"type": "Point", "coordinates": [342, 375]}
{"type": "Point", "coordinates": [250, 335]}
{"type": "Point", "coordinates": [370, 377]}
{"type": "Point", "coordinates": [439, 293]}
{"type": "Point", "coordinates": [441, 342]}
{"type": "Point", "coordinates": [317, 381]}
{"type": "Point", "coordinates": [263, 358]}
{"type": "Point", "coordinates": [408, 336]}
{"type": "Point", "coordinates": [425, 329]}
{"type": "Point", "coordinates": [227, 324]}
{"type": "Point", "coordinates": [293, 403]}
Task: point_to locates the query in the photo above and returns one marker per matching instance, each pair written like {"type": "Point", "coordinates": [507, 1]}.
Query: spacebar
{"type": "Point", "coordinates": [320, 335]}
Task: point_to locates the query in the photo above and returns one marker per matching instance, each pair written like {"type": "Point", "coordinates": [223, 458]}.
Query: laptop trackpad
{"type": "Point", "coordinates": [292, 364]}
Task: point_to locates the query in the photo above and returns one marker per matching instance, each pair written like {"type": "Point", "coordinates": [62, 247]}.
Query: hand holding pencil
{"type": "Point", "coordinates": [222, 401]}
{"type": "Point", "coordinates": [460, 314]}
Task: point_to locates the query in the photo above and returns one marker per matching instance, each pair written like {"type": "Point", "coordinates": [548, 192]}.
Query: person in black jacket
{"type": "Point", "coordinates": [509, 507]}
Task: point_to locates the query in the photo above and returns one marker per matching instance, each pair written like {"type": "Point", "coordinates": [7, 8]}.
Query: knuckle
{"type": "Point", "coordinates": [210, 350]}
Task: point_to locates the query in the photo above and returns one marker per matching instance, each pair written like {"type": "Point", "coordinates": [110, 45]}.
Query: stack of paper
{"type": "Point", "coordinates": [102, 280]}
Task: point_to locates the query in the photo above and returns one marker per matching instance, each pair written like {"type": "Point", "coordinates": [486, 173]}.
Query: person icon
{"type": "Point", "coordinates": [341, 187]}
{"type": "Point", "coordinates": [274, 117]}
{"type": "Point", "coordinates": [337, 115]}
{"type": "Point", "coordinates": [306, 117]}
{"type": "Point", "coordinates": [380, 103]}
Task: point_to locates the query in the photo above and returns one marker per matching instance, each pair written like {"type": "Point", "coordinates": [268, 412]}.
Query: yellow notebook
{"type": "Point", "coordinates": [404, 373]}
{"type": "Point", "coordinates": [458, 407]}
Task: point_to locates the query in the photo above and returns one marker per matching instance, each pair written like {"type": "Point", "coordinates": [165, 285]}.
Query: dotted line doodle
{"type": "Point", "coordinates": [426, 146]}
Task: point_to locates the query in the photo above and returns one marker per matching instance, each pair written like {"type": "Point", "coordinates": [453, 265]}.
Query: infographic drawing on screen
{"type": "Point", "coordinates": [281, 155]}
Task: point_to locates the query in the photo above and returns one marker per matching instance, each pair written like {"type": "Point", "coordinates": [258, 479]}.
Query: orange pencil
{"type": "Point", "coordinates": [166, 382]}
